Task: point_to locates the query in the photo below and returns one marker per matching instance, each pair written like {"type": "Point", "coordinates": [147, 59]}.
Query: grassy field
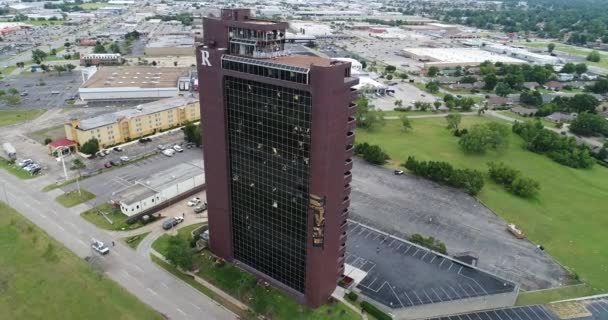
{"type": "Point", "coordinates": [243, 286]}
{"type": "Point", "coordinates": [56, 132]}
{"type": "Point", "coordinates": [134, 241]}
{"type": "Point", "coordinates": [93, 5]}
{"type": "Point", "coordinates": [74, 198]}
{"type": "Point", "coordinates": [514, 115]}
{"type": "Point", "coordinates": [573, 50]}
{"type": "Point", "coordinates": [568, 217]}
{"type": "Point", "coordinates": [547, 296]}
{"type": "Point", "coordinates": [118, 218]}
{"type": "Point", "coordinates": [44, 22]}
{"type": "Point", "coordinates": [8, 117]}
{"type": "Point", "coordinates": [15, 170]}
{"type": "Point", "coordinates": [40, 279]}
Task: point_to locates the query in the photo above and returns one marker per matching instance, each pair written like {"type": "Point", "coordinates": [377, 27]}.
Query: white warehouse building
{"type": "Point", "coordinates": [110, 83]}
{"type": "Point", "coordinates": [161, 187]}
{"type": "Point", "coordinates": [521, 53]}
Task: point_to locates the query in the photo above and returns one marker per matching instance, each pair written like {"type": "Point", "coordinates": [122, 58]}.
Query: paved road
{"type": "Point", "coordinates": [140, 276]}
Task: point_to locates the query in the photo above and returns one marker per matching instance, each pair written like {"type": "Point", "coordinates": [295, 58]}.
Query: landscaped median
{"type": "Point", "coordinates": [259, 297]}
{"type": "Point", "coordinates": [75, 197]}
{"type": "Point", "coordinates": [135, 240]}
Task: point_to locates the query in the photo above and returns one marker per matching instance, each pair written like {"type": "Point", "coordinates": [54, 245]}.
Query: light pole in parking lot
{"type": "Point", "coordinates": [60, 157]}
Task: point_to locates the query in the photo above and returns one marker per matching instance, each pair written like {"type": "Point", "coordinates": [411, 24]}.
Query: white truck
{"type": "Point", "coordinates": [10, 151]}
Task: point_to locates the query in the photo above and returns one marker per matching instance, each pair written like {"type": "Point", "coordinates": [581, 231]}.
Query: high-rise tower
{"type": "Point", "coordinates": [278, 134]}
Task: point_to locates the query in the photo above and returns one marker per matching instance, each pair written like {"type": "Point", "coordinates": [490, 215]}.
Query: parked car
{"type": "Point", "coordinates": [115, 162]}
{"type": "Point", "coordinates": [193, 202]}
{"type": "Point", "coordinates": [100, 154]}
{"type": "Point", "coordinates": [178, 148]}
{"type": "Point", "coordinates": [190, 145]}
{"type": "Point", "coordinates": [145, 140]}
{"type": "Point", "coordinates": [99, 247]}
{"type": "Point", "coordinates": [201, 208]}
{"type": "Point", "coordinates": [107, 151]}
{"type": "Point", "coordinates": [117, 149]}
{"type": "Point", "coordinates": [172, 222]}
{"type": "Point", "coordinates": [31, 167]}
{"type": "Point", "coordinates": [108, 164]}
{"type": "Point", "coordinates": [124, 158]}
{"type": "Point", "coordinates": [398, 172]}
{"type": "Point", "coordinates": [161, 147]}
{"type": "Point", "coordinates": [24, 163]}
{"type": "Point", "coordinates": [169, 152]}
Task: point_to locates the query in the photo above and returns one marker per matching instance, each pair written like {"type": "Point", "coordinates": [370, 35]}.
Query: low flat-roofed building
{"type": "Point", "coordinates": [161, 187]}
{"type": "Point", "coordinates": [170, 45]}
{"type": "Point", "coordinates": [131, 83]}
{"type": "Point", "coordinates": [126, 125]}
{"type": "Point", "coordinates": [450, 57]}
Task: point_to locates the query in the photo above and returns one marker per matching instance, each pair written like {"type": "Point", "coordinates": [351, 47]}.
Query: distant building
{"type": "Point", "coordinates": [171, 45]}
{"type": "Point", "coordinates": [126, 125]}
{"type": "Point", "coordinates": [96, 59]}
{"type": "Point", "coordinates": [561, 117]}
{"type": "Point", "coordinates": [160, 187]}
{"type": "Point", "coordinates": [563, 77]}
{"type": "Point", "coordinates": [553, 85]}
{"type": "Point", "coordinates": [130, 83]}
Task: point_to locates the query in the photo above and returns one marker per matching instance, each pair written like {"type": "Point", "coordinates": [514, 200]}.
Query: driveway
{"type": "Point", "coordinates": [404, 205]}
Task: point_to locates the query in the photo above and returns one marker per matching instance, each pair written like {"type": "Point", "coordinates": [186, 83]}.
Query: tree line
{"type": "Point", "coordinates": [444, 173]}
{"type": "Point", "coordinates": [513, 180]}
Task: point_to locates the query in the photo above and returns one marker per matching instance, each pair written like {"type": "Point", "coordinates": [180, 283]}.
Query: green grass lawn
{"type": "Point", "coordinates": [162, 242]}
{"type": "Point", "coordinates": [74, 198]}
{"type": "Point", "coordinates": [243, 286]}
{"type": "Point", "coordinates": [568, 217]}
{"type": "Point", "coordinates": [55, 133]}
{"type": "Point", "coordinates": [44, 22]}
{"type": "Point", "coordinates": [573, 50]}
{"type": "Point", "coordinates": [15, 170]}
{"type": "Point", "coordinates": [514, 115]}
{"type": "Point", "coordinates": [408, 113]}
{"type": "Point", "coordinates": [547, 296]}
{"type": "Point", "coordinates": [93, 5]}
{"type": "Point", "coordinates": [134, 241]}
{"type": "Point", "coordinates": [40, 279]}
{"type": "Point", "coordinates": [118, 218]}
{"type": "Point", "coordinates": [8, 117]}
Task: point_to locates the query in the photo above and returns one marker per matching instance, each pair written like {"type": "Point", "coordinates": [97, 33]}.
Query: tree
{"type": "Point", "coordinates": [600, 86]}
{"type": "Point", "coordinates": [399, 103]}
{"type": "Point", "coordinates": [67, 44]}
{"type": "Point", "coordinates": [192, 133]}
{"type": "Point", "coordinates": [589, 124]}
{"type": "Point", "coordinates": [371, 153]}
{"type": "Point", "coordinates": [13, 91]}
{"type": "Point", "coordinates": [432, 86]}
{"type": "Point", "coordinates": [114, 47]}
{"type": "Point", "coordinates": [453, 120]}
{"type": "Point", "coordinates": [490, 82]}
{"type": "Point", "coordinates": [12, 101]}
{"type": "Point", "coordinates": [580, 68]}
{"type": "Point", "coordinates": [363, 64]}
{"type": "Point", "coordinates": [432, 71]}
{"type": "Point", "coordinates": [179, 253]}
{"type": "Point", "coordinates": [580, 103]}
{"type": "Point", "coordinates": [594, 56]}
{"type": "Point", "coordinates": [53, 52]}
{"type": "Point", "coordinates": [90, 147]}
{"type": "Point", "coordinates": [502, 89]}
{"type": "Point", "coordinates": [38, 56]}
{"type": "Point", "coordinates": [551, 47]}
{"type": "Point", "coordinates": [389, 77]}
{"type": "Point", "coordinates": [501, 173]}
{"type": "Point", "coordinates": [468, 79]}
{"type": "Point", "coordinates": [390, 69]}
{"type": "Point", "coordinates": [175, 63]}
{"type": "Point", "coordinates": [99, 48]}
{"type": "Point", "coordinates": [465, 104]}
{"type": "Point", "coordinates": [366, 116]}
{"type": "Point", "coordinates": [406, 123]}
{"type": "Point", "coordinates": [402, 75]}
{"type": "Point", "coordinates": [70, 67]}
{"type": "Point", "coordinates": [59, 68]}
{"type": "Point", "coordinates": [437, 104]}
{"type": "Point", "coordinates": [532, 98]}
{"type": "Point", "coordinates": [154, 63]}
{"type": "Point", "coordinates": [568, 68]}
{"type": "Point", "coordinates": [481, 137]}
{"type": "Point", "coordinates": [422, 106]}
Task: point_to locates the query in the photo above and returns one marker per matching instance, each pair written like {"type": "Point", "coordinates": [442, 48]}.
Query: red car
{"type": "Point", "coordinates": [107, 165]}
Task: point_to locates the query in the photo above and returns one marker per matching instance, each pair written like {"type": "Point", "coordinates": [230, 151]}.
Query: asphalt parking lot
{"type": "Point", "coordinates": [108, 183]}
{"type": "Point", "coordinates": [595, 309]}
{"type": "Point", "coordinates": [431, 278]}
{"type": "Point", "coordinates": [41, 97]}
{"type": "Point", "coordinates": [404, 205]}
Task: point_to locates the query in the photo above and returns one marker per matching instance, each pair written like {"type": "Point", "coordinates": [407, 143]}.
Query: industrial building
{"type": "Point", "coordinates": [171, 45]}
{"type": "Point", "coordinates": [130, 83]}
{"type": "Point", "coordinates": [521, 53]}
{"type": "Point", "coordinates": [126, 125]}
{"type": "Point", "coordinates": [95, 59]}
{"type": "Point", "coordinates": [451, 57]}
{"type": "Point", "coordinates": [281, 128]}
{"type": "Point", "coordinates": [160, 187]}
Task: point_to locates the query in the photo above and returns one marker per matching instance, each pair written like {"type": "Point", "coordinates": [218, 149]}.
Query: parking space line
{"type": "Point", "coordinates": [415, 252]}
{"type": "Point", "coordinates": [417, 297]}
{"type": "Point", "coordinates": [408, 249]}
{"type": "Point", "coordinates": [434, 257]}
{"type": "Point", "coordinates": [446, 293]}
{"type": "Point", "coordinates": [601, 305]}
{"type": "Point", "coordinates": [460, 270]}
{"type": "Point", "coordinates": [408, 298]}
{"type": "Point", "coordinates": [456, 294]}
{"type": "Point", "coordinates": [371, 283]}
{"type": "Point", "coordinates": [360, 232]}
{"type": "Point", "coordinates": [400, 244]}
{"type": "Point", "coordinates": [430, 300]}
{"type": "Point", "coordinates": [469, 317]}
{"type": "Point", "coordinates": [464, 290]}
{"type": "Point", "coordinates": [498, 315]}
{"type": "Point", "coordinates": [473, 289]}
{"type": "Point", "coordinates": [390, 244]}
{"type": "Point", "coordinates": [396, 296]}
{"type": "Point", "coordinates": [516, 312]}
{"type": "Point", "coordinates": [442, 261]}
{"type": "Point", "coordinates": [451, 265]}
{"type": "Point", "coordinates": [376, 237]}
{"type": "Point", "coordinates": [436, 294]}
{"type": "Point", "coordinates": [199, 308]}
{"type": "Point", "coordinates": [424, 255]}
{"type": "Point", "coordinates": [526, 313]}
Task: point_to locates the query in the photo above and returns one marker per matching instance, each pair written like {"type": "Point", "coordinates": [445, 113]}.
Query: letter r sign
{"type": "Point", "coordinates": [205, 58]}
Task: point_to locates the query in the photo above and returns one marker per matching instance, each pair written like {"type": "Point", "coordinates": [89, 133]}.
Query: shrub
{"type": "Point", "coordinates": [512, 180]}
{"type": "Point", "coordinates": [482, 137]}
{"type": "Point", "coordinates": [90, 147]}
{"type": "Point", "coordinates": [525, 187]}
{"type": "Point", "coordinates": [430, 243]}
{"type": "Point", "coordinates": [374, 311]}
{"type": "Point", "coordinates": [371, 153]}
{"type": "Point", "coordinates": [502, 174]}
{"type": "Point", "coordinates": [443, 172]}
{"type": "Point", "coordinates": [352, 296]}
{"type": "Point", "coordinates": [47, 140]}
